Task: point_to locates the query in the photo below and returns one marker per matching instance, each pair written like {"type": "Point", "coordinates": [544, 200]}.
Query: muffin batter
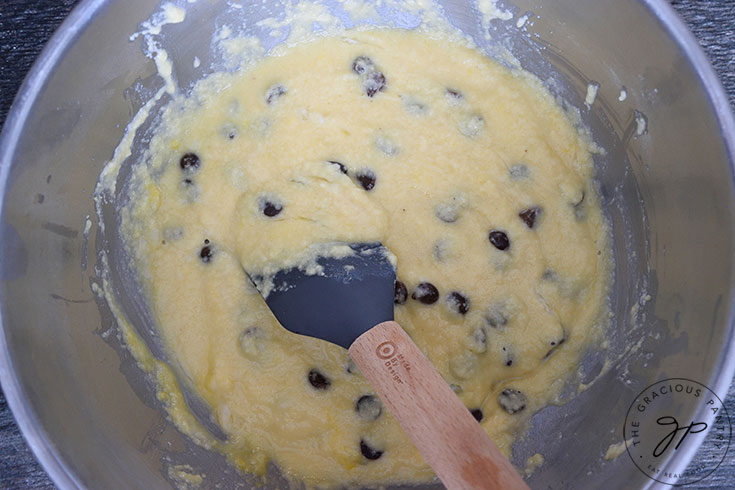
{"type": "Point", "coordinates": [468, 172]}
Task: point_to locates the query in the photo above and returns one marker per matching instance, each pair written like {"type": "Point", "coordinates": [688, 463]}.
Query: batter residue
{"type": "Point", "coordinates": [467, 171]}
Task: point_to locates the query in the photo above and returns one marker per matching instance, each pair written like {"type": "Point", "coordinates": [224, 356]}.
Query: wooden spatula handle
{"type": "Point", "coordinates": [443, 430]}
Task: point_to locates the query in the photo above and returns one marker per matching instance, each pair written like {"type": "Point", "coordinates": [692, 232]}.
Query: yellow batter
{"type": "Point", "coordinates": [468, 172]}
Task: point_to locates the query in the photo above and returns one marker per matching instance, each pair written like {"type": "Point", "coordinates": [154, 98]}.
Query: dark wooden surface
{"type": "Point", "coordinates": [26, 25]}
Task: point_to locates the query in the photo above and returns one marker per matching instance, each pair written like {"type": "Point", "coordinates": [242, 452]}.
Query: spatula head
{"type": "Point", "coordinates": [350, 296]}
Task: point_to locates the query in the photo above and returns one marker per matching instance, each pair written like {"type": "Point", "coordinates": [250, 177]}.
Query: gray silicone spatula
{"type": "Point", "coordinates": [351, 304]}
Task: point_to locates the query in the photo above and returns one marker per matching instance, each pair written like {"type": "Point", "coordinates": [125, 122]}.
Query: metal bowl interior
{"type": "Point", "coordinates": [94, 421]}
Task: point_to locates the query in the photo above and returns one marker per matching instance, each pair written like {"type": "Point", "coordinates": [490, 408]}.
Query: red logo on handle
{"type": "Point", "coordinates": [386, 350]}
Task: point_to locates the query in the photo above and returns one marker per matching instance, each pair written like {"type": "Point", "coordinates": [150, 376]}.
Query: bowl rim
{"type": "Point", "coordinates": [720, 106]}
{"type": "Point", "coordinates": [45, 451]}
{"type": "Point", "coordinates": [49, 456]}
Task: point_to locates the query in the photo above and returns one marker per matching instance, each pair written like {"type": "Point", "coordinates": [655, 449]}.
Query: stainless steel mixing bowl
{"type": "Point", "coordinates": [94, 422]}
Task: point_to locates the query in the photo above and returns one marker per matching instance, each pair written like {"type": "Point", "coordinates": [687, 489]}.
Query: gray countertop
{"type": "Point", "coordinates": [26, 25]}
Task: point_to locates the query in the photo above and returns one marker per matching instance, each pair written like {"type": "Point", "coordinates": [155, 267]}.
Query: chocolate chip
{"type": "Point", "coordinates": [252, 342]}
{"type": "Point", "coordinates": [579, 210]}
{"type": "Point", "coordinates": [426, 293]}
{"type": "Point", "coordinates": [458, 302]}
{"type": "Point", "coordinates": [351, 367]}
{"type": "Point", "coordinates": [229, 131]}
{"type": "Point", "coordinates": [446, 212]}
{"type": "Point", "coordinates": [318, 380]}
{"type": "Point", "coordinates": [471, 125]}
{"type": "Point", "coordinates": [441, 249]}
{"type": "Point", "coordinates": [190, 161]}
{"type": "Point", "coordinates": [342, 166]}
{"type": "Point", "coordinates": [274, 93]}
{"type": "Point", "coordinates": [499, 239]}
{"type": "Point", "coordinates": [454, 94]}
{"type": "Point", "coordinates": [401, 293]}
{"type": "Point", "coordinates": [373, 83]}
{"type": "Point", "coordinates": [513, 401]}
{"type": "Point", "coordinates": [362, 64]}
{"type": "Point", "coordinates": [449, 210]}
{"type": "Point", "coordinates": [497, 315]}
{"type": "Point", "coordinates": [550, 275]}
{"type": "Point", "coordinates": [206, 254]}
{"type": "Point", "coordinates": [477, 413]}
{"type": "Point", "coordinates": [369, 452]}
{"type": "Point", "coordinates": [508, 351]}
{"type": "Point", "coordinates": [386, 145]}
{"type": "Point", "coordinates": [366, 178]}
{"type": "Point", "coordinates": [190, 190]}
{"type": "Point", "coordinates": [519, 171]}
{"type": "Point", "coordinates": [270, 208]}
{"type": "Point", "coordinates": [369, 407]}
{"type": "Point", "coordinates": [414, 106]}
{"type": "Point", "coordinates": [477, 341]}
{"type": "Point", "coordinates": [581, 199]}
{"type": "Point", "coordinates": [529, 215]}
{"type": "Point", "coordinates": [555, 344]}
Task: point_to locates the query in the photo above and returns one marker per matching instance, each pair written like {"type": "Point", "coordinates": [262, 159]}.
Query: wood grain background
{"type": "Point", "coordinates": [26, 25]}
